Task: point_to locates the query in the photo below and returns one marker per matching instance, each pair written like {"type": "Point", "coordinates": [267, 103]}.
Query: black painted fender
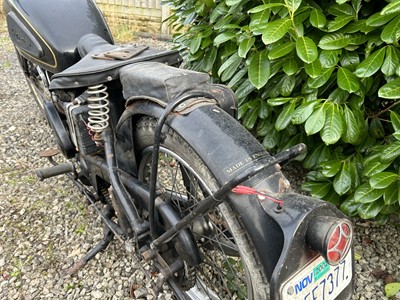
{"type": "Point", "coordinates": [227, 149]}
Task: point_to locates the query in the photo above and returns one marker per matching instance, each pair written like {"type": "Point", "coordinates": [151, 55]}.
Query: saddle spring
{"type": "Point", "coordinates": [99, 109]}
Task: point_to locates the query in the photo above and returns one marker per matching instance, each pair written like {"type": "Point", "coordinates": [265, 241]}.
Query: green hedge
{"type": "Point", "coordinates": [325, 73]}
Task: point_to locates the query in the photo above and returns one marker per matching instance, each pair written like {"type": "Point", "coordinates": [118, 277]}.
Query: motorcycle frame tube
{"type": "Point", "coordinates": [279, 243]}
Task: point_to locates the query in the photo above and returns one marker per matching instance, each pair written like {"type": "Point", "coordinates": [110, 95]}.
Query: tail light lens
{"type": "Point", "coordinates": [331, 237]}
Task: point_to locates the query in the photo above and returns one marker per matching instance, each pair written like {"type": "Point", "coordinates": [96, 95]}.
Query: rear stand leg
{"type": "Point", "coordinates": [101, 246]}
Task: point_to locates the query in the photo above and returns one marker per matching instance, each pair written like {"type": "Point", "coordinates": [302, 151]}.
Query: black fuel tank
{"type": "Point", "coordinates": [47, 31]}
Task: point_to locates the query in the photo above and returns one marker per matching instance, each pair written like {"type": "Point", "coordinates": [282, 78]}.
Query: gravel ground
{"type": "Point", "coordinates": [45, 226]}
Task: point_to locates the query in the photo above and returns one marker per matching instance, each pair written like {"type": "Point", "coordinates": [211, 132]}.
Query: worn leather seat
{"type": "Point", "coordinates": [91, 71]}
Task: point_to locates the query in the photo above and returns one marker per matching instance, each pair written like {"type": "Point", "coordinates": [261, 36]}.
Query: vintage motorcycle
{"type": "Point", "coordinates": [176, 177]}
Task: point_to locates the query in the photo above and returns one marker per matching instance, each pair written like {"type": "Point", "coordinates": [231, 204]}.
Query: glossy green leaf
{"type": "Point", "coordinates": [209, 59]}
{"type": "Point", "coordinates": [391, 31]}
{"type": "Point", "coordinates": [281, 50]}
{"type": "Point", "coordinates": [271, 138]}
{"type": "Point", "coordinates": [195, 44]}
{"type": "Point", "coordinates": [220, 10]}
{"type": "Point", "coordinates": [332, 197]}
{"type": "Point", "coordinates": [347, 80]}
{"type": "Point", "coordinates": [338, 95]}
{"type": "Point", "coordinates": [382, 218]}
{"type": "Point", "coordinates": [244, 89]}
{"type": "Point", "coordinates": [238, 77]}
{"type": "Point", "coordinates": [317, 18]}
{"type": "Point", "coordinates": [391, 61]}
{"type": "Point", "coordinates": [264, 110]}
{"type": "Point", "coordinates": [303, 112]}
{"type": "Point", "coordinates": [229, 67]}
{"type": "Point", "coordinates": [317, 189]}
{"type": "Point", "coordinates": [313, 69]}
{"type": "Point", "coordinates": [371, 209]}
{"type": "Point", "coordinates": [333, 41]}
{"type": "Point", "coordinates": [275, 30]}
{"type": "Point", "coordinates": [339, 22]}
{"type": "Point", "coordinates": [250, 118]}
{"type": "Point", "coordinates": [259, 21]}
{"type": "Point", "coordinates": [279, 101]}
{"type": "Point", "coordinates": [263, 7]}
{"type": "Point", "coordinates": [334, 125]}
{"type": "Point", "coordinates": [357, 26]}
{"type": "Point", "coordinates": [349, 207]}
{"type": "Point", "coordinates": [338, 10]}
{"type": "Point", "coordinates": [245, 46]}
{"type": "Point", "coordinates": [357, 39]}
{"type": "Point", "coordinates": [320, 80]}
{"type": "Point", "coordinates": [391, 193]}
{"type": "Point", "coordinates": [276, 66]}
{"type": "Point", "coordinates": [377, 19]}
{"type": "Point", "coordinates": [391, 209]}
{"type": "Point", "coordinates": [392, 7]}
{"type": "Point", "coordinates": [374, 166]}
{"type": "Point", "coordinates": [259, 69]}
{"type": "Point", "coordinates": [285, 116]}
{"type": "Point", "coordinates": [382, 180]}
{"type": "Point", "coordinates": [224, 37]}
{"type": "Point", "coordinates": [312, 158]}
{"type": "Point", "coordinates": [342, 182]}
{"type": "Point", "coordinates": [350, 61]}
{"type": "Point", "coordinates": [352, 129]}
{"type": "Point", "coordinates": [396, 135]}
{"type": "Point", "coordinates": [316, 121]}
{"type": "Point", "coordinates": [371, 64]}
{"type": "Point", "coordinates": [395, 120]}
{"type": "Point", "coordinates": [355, 172]}
{"type": "Point", "coordinates": [286, 85]}
{"type": "Point", "coordinates": [293, 5]}
{"type": "Point", "coordinates": [242, 109]}
{"type": "Point", "coordinates": [290, 67]}
{"type": "Point", "coordinates": [232, 2]}
{"type": "Point", "coordinates": [390, 90]}
{"type": "Point", "coordinates": [331, 168]}
{"type": "Point", "coordinates": [376, 128]}
{"type": "Point", "coordinates": [357, 5]}
{"type": "Point", "coordinates": [329, 58]}
{"type": "Point", "coordinates": [263, 128]}
{"type": "Point", "coordinates": [366, 194]}
{"type": "Point", "coordinates": [223, 22]}
{"type": "Point", "coordinates": [390, 152]}
{"type": "Point", "coordinates": [306, 49]}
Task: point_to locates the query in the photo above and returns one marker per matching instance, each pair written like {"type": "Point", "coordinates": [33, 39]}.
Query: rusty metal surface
{"type": "Point", "coordinates": [121, 53]}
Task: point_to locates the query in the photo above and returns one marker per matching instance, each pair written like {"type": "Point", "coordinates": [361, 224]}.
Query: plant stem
{"type": "Point", "coordinates": [386, 109]}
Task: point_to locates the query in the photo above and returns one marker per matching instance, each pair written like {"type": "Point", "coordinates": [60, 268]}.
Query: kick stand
{"type": "Point", "coordinates": [101, 246]}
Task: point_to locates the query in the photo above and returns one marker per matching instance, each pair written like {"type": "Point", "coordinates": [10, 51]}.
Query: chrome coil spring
{"type": "Point", "coordinates": [99, 109]}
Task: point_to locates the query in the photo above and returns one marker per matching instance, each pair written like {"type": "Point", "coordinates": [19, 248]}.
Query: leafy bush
{"type": "Point", "coordinates": [326, 73]}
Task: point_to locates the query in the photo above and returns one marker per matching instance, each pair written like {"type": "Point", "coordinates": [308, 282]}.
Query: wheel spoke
{"type": "Point", "coordinates": [184, 191]}
{"type": "Point", "coordinates": [221, 275]}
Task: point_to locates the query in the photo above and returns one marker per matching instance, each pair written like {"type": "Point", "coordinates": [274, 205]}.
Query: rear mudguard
{"type": "Point", "coordinates": [228, 149]}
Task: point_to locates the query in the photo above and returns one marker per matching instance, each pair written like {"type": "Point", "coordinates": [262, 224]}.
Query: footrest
{"type": "Point", "coordinates": [55, 170]}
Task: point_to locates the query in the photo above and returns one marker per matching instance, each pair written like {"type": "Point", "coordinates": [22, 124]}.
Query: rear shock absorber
{"type": "Point", "coordinates": [99, 109]}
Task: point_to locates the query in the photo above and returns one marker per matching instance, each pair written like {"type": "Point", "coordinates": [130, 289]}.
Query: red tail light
{"type": "Point", "coordinates": [331, 237]}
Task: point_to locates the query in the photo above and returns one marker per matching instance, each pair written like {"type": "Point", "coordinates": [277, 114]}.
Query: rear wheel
{"type": "Point", "coordinates": [230, 268]}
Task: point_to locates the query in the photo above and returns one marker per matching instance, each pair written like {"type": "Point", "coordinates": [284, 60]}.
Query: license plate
{"type": "Point", "coordinates": [319, 280]}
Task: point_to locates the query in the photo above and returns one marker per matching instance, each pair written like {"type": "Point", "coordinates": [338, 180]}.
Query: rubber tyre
{"type": "Point", "coordinates": [257, 286]}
